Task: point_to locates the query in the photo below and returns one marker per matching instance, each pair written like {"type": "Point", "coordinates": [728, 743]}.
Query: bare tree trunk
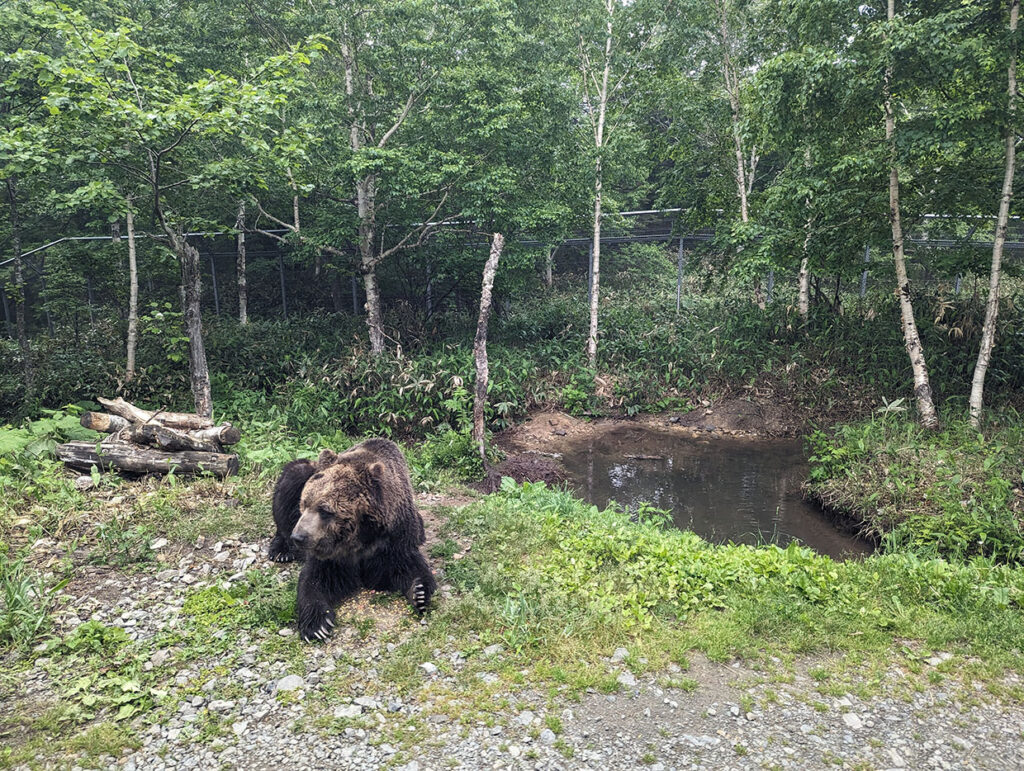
{"type": "Point", "coordinates": [988, 335]}
{"type": "Point", "coordinates": [19, 290]}
{"type": "Point", "coordinates": [804, 300]}
{"type": "Point", "coordinates": [595, 264]}
{"type": "Point", "coordinates": [373, 312]}
{"type": "Point", "coordinates": [549, 263]}
{"type": "Point", "coordinates": [366, 190]}
{"type": "Point", "coordinates": [133, 295]}
{"type": "Point", "coordinates": [241, 278]}
{"type": "Point", "coordinates": [191, 283]}
{"type": "Point", "coordinates": [911, 337]}
{"type": "Point", "coordinates": [595, 270]}
{"type": "Point", "coordinates": [480, 345]}
{"type": "Point", "coordinates": [44, 296]}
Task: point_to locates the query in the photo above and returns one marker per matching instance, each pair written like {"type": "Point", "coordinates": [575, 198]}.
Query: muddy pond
{"type": "Point", "coordinates": [722, 488]}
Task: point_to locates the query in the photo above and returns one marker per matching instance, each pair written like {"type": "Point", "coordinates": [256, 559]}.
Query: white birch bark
{"type": "Point", "coordinates": [133, 295]}
{"type": "Point", "coordinates": [599, 141]}
{"type": "Point", "coordinates": [744, 174]}
{"type": "Point", "coordinates": [240, 269]}
{"type": "Point", "coordinates": [480, 346]}
{"type": "Point", "coordinates": [988, 335]}
{"type": "Point", "coordinates": [911, 337]}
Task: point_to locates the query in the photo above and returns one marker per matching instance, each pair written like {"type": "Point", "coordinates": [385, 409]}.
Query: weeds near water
{"type": "Point", "coordinates": [953, 493]}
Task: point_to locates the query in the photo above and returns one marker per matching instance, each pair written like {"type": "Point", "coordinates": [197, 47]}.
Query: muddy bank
{"type": "Point", "coordinates": [742, 417]}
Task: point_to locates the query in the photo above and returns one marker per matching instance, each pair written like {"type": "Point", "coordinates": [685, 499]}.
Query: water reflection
{"type": "Point", "coordinates": [723, 489]}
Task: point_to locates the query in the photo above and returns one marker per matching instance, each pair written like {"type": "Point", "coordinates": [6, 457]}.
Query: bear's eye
{"type": "Point", "coordinates": [324, 512]}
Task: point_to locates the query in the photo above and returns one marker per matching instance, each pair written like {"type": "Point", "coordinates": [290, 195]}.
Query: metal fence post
{"type": "Point", "coordinates": [679, 275]}
{"type": "Point", "coordinates": [864, 273]}
{"type": "Point", "coordinates": [280, 273]}
{"type": "Point", "coordinates": [216, 293]}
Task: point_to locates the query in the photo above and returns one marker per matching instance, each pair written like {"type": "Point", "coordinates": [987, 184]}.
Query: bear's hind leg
{"type": "Point", "coordinates": [322, 585]}
{"type": "Point", "coordinates": [287, 493]}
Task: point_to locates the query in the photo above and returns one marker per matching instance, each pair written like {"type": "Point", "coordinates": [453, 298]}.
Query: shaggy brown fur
{"type": "Point", "coordinates": [353, 517]}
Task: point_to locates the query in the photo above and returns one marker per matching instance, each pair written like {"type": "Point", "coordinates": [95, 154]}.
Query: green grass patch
{"type": "Point", "coordinates": [954, 493]}
{"type": "Point", "coordinates": [562, 584]}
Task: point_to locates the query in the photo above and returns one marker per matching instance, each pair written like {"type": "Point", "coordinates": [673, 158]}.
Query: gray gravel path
{"type": "Point", "coordinates": [270, 719]}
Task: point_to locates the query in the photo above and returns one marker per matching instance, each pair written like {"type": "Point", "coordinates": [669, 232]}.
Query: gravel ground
{"type": "Point", "coordinates": [341, 714]}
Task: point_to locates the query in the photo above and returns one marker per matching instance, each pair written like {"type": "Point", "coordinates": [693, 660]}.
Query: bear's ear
{"type": "Point", "coordinates": [327, 457]}
{"type": "Point", "coordinates": [374, 473]}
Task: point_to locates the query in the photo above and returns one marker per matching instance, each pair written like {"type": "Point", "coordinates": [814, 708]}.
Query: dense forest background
{"type": "Point", "coordinates": [233, 205]}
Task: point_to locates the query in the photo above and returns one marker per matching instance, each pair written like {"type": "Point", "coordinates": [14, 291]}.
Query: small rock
{"type": "Point", "coordinates": [367, 702]}
{"type": "Point", "coordinates": [525, 718]}
{"type": "Point", "coordinates": [428, 669]}
{"type": "Point", "coordinates": [547, 737]}
{"type": "Point", "coordinates": [852, 720]}
{"type": "Point", "coordinates": [286, 631]}
{"type": "Point", "coordinates": [239, 727]}
{"type": "Point", "coordinates": [750, 716]}
{"type": "Point", "coordinates": [712, 711]}
{"type": "Point", "coordinates": [492, 650]}
{"type": "Point", "coordinates": [290, 683]}
{"type": "Point", "coordinates": [734, 710]}
{"type": "Point", "coordinates": [626, 680]}
{"type": "Point", "coordinates": [221, 705]}
{"type": "Point", "coordinates": [84, 483]}
{"type": "Point", "coordinates": [619, 655]}
{"type": "Point", "coordinates": [158, 544]}
{"type": "Point", "coordinates": [347, 711]}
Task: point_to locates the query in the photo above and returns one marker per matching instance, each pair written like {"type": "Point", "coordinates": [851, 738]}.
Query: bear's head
{"type": "Point", "coordinates": [340, 509]}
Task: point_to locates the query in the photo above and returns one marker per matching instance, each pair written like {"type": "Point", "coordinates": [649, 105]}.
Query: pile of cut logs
{"type": "Point", "coordinates": [152, 442]}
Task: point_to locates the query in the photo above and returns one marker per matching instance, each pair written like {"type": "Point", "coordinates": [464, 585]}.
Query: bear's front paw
{"type": "Point", "coordinates": [316, 625]}
{"type": "Point", "coordinates": [418, 596]}
{"type": "Point", "coordinates": [281, 550]}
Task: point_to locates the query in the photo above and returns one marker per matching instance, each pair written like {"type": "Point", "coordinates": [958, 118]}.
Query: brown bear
{"type": "Point", "coordinates": [353, 519]}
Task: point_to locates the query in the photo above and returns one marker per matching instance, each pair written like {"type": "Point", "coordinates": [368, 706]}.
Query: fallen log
{"type": "Point", "coordinates": [169, 439]}
{"type": "Point", "coordinates": [225, 433]}
{"type": "Point", "coordinates": [101, 421]}
{"type": "Point", "coordinates": [140, 460]}
{"type": "Point", "coordinates": [181, 420]}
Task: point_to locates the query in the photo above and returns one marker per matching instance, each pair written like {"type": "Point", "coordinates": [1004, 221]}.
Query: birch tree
{"type": "Point", "coordinates": [480, 346]}
{"type": "Point", "coordinates": [383, 62]}
{"type": "Point", "coordinates": [911, 336]}
{"type": "Point", "coordinates": [988, 335]}
{"type": "Point", "coordinates": [611, 40]}
{"type": "Point", "coordinates": [114, 102]}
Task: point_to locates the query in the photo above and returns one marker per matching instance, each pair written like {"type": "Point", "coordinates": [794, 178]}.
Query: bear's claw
{"type": "Point", "coordinates": [419, 596]}
{"type": "Point", "coordinates": [281, 551]}
{"type": "Point", "coordinates": [323, 632]}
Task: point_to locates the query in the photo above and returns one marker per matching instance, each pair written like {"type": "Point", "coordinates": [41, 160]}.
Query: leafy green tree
{"type": "Point", "coordinates": [116, 103]}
